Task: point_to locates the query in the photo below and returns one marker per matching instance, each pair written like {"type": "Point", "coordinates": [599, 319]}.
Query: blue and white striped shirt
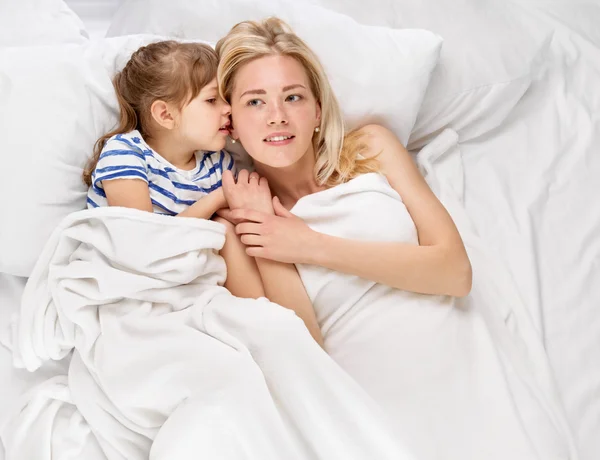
{"type": "Point", "coordinates": [172, 190]}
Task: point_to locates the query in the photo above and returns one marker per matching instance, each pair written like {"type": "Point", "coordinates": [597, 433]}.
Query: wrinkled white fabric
{"type": "Point", "coordinates": [154, 335]}
{"type": "Point", "coordinates": [466, 379]}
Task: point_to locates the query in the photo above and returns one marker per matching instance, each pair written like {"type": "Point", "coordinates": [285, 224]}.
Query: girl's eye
{"type": "Point", "coordinates": [254, 102]}
{"type": "Point", "coordinates": [293, 97]}
{"type": "Point", "coordinates": [212, 100]}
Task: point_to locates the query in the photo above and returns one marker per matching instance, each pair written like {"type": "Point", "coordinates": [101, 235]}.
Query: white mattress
{"type": "Point", "coordinates": [532, 188]}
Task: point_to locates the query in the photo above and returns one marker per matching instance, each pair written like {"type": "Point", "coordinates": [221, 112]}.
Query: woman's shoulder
{"type": "Point", "coordinates": [377, 138]}
{"type": "Point", "coordinates": [383, 144]}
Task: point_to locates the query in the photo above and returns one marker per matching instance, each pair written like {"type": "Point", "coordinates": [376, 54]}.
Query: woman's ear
{"type": "Point", "coordinates": [233, 133]}
{"type": "Point", "coordinates": [162, 114]}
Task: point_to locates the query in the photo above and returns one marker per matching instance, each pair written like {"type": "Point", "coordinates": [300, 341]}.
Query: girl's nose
{"type": "Point", "coordinates": [226, 107]}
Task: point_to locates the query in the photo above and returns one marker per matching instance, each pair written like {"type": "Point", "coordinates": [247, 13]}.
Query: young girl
{"type": "Point", "coordinates": [165, 155]}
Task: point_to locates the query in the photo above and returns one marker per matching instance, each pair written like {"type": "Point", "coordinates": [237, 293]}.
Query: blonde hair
{"type": "Point", "coordinates": [168, 70]}
{"type": "Point", "coordinates": [337, 154]}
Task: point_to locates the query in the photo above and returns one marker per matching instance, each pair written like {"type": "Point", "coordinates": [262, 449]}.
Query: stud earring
{"type": "Point", "coordinates": [232, 140]}
{"type": "Point", "coordinates": [317, 129]}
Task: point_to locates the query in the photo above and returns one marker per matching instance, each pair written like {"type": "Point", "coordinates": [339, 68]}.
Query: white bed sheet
{"type": "Point", "coordinates": [532, 187]}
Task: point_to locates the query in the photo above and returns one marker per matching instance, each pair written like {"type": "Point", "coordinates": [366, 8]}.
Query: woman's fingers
{"type": "Point", "coordinates": [280, 209]}
{"type": "Point", "coordinates": [243, 177]}
{"type": "Point", "coordinates": [264, 183]}
{"type": "Point", "coordinates": [254, 177]}
{"type": "Point", "coordinates": [251, 240]}
{"type": "Point", "coordinates": [228, 179]}
{"type": "Point", "coordinates": [247, 228]}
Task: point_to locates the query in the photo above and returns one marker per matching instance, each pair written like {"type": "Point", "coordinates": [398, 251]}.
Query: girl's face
{"type": "Point", "coordinates": [274, 112]}
{"type": "Point", "coordinates": [203, 124]}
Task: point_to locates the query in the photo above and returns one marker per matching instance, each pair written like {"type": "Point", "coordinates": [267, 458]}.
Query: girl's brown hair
{"type": "Point", "coordinates": [169, 71]}
{"type": "Point", "coordinates": [337, 152]}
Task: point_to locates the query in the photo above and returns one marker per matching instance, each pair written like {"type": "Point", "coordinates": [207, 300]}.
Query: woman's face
{"type": "Point", "coordinates": [274, 112]}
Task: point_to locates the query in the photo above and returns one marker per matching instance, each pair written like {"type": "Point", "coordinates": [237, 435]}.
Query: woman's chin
{"type": "Point", "coordinates": [282, 162]}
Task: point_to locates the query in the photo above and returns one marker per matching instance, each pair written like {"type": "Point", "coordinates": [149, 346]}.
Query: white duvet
{"type": "Point", "coordinates": [466, 380]}
{"type": "Point", "coordinates": [137, 299]}
{"type": "Point", "coordinates": [167, 364]}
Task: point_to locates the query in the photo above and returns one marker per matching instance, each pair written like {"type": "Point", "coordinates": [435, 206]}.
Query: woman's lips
{"type": "Point", "coordinates": [278, 139]}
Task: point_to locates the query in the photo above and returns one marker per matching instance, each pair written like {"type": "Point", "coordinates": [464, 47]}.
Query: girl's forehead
{"type": "Point", "coordinates": [210, 87]}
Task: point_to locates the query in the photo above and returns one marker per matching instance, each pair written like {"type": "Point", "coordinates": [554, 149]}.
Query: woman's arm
{"type": "Point", "coordinates": [134, 193]}
{"type": "Point", "coordinates": [437, 265]}
{"type": "Point", "coordinates": [283, 286]}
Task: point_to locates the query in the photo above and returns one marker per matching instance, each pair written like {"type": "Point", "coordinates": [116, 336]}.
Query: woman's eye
{"type": "Point", "coordinates": [212, 100]}
{"type": "Point", "coordinates": [254, 102]}
{"type": "Point", "coordinates": [293, 97]}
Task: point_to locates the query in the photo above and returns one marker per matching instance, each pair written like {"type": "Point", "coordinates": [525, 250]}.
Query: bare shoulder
{"type": "Point", "coordinates": [384, 144]}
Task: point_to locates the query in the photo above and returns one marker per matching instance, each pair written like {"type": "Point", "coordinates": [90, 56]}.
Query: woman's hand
{"type": "Point", "coordinates": [282, 237]}
{"type": "Point", "coordinates": [249, 192]}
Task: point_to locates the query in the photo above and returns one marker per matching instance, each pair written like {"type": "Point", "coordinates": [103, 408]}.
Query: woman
{"type": "Point", "coordinates": [380, 285]}
{"type": "Point", "coordinates": [287, 118]}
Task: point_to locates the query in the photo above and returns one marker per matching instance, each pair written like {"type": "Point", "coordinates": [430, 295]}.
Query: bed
{"type": "Point", "coordinates": [529, 158]}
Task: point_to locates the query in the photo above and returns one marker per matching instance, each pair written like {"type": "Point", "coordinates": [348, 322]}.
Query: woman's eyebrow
{"type": "Point", "coordinates": [253, 91]}
{"type": "Point", "coordinates": [262, 91]}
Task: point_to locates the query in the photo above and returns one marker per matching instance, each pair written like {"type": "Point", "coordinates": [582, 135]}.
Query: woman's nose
{"type": "Point", "coordinates": [277, 115]}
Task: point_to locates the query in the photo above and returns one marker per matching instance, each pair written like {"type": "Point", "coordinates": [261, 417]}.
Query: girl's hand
{"type": "Point", "coordinates": [282, 237]}
{"type": "Point", "coordinates": [249, 192]}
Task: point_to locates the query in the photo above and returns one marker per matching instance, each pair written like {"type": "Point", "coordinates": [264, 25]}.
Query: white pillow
{"type": "Point", "coordinates": [55, 102]}
{"type": "Point", "coordinates": [492, 50]}
{"type": "Point", "coordinates": [39, 22]}
{"type": "Point", "coordinates": [378, 74]}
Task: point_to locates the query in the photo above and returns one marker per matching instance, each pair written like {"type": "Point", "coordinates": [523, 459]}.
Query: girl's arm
{"type": "Point", "coordinates": [134, 193]}
{"type": "Point", "coordinates": [437, 265]}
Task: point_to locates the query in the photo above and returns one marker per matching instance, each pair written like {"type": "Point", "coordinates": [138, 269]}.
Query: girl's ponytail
{"type": "Point", "coordinates": [127, 122]}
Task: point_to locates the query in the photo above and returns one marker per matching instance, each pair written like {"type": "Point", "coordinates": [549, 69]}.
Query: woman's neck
{"type": "Point", "coordinates": [291, 183]}
{"type": "Point", "coordinates": [167, 148]}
